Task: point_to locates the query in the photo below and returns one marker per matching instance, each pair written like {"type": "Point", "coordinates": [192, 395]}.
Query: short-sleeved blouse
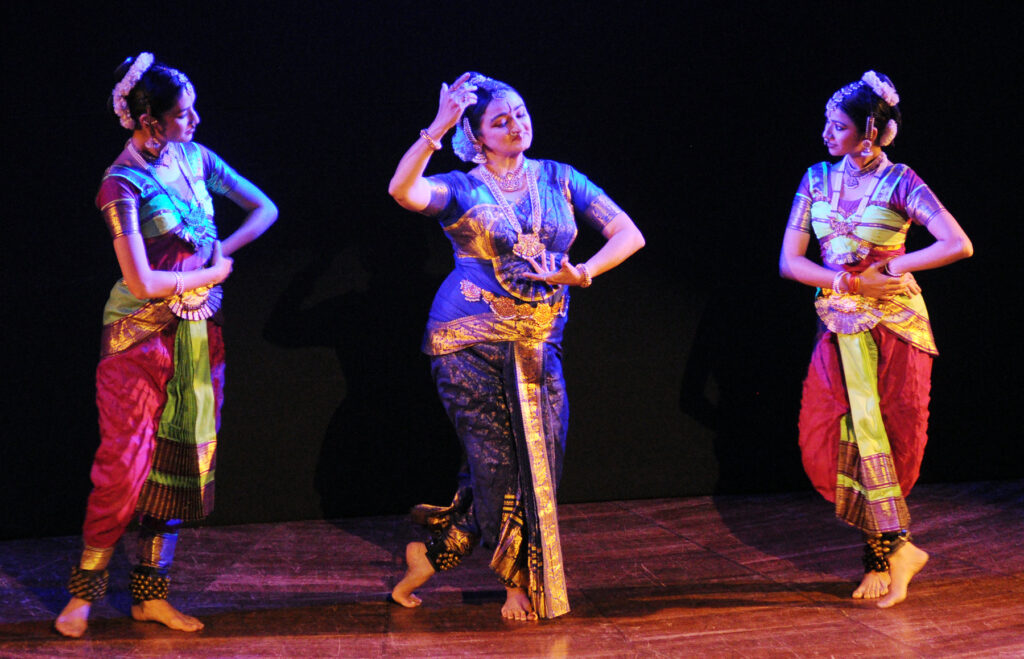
{"type": "Point", "coordinates": [486, 297]}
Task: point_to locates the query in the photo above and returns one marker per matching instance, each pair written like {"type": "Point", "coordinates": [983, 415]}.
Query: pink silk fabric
{"type": "Point", "coordinates": [904, 384]}
{"type": "Point", "coordinates": [130, 395]}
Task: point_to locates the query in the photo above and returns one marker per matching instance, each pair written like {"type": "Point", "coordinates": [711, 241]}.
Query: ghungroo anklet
{"type": "Point", "coordinates": [145, 585]}
{"type": "Point", "coordinates": [89, 585]}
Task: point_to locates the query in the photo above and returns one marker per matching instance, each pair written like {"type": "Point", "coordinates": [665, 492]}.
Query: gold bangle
{"type": "Point", "coordinates": [587, 279]}
{"type": "Point", "coordinates": [434, 144]}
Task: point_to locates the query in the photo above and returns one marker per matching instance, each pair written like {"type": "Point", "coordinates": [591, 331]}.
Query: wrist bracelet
{"type": "Point", "coordinates": [889, 273]}
{"type": "Point", "coordinates": [179, 284]}
{"type": "Point", "coordinates": [853, 283]}
{"type": "Point", "coordinates": [434, 144]}
{"type": "Point", "coordinates": [838, 279]}
{"type": "Point", "coordinates": [587, 279]}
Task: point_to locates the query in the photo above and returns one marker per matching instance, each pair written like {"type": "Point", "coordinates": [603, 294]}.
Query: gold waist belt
{"type": "Point", "coordinates": [506, 307]}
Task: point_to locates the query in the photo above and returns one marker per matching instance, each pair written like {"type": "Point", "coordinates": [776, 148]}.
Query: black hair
{"type": "Point", "coordinates": [487, 89]}
{"type": "Point", "coordinates": [863, 102]}
{"type": "Point", "coordinates": [155, 93]}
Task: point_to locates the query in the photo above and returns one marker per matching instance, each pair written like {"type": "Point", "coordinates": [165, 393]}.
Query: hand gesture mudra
{"type": "Point", "coordinates": [549, 271]}
{"type": "Point", "coordinates": [454, 100]}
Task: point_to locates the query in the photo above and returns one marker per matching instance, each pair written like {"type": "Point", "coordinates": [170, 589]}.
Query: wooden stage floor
{"type": "Point", "coordinates": [739, 576]}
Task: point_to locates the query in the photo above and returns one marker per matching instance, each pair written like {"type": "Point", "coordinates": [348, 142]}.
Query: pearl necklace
{"type": "Point", "coordinates": [528, 245]}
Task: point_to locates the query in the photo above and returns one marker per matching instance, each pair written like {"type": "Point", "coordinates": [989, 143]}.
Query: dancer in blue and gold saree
{"type": "Point", "coordinates": [494, 336]}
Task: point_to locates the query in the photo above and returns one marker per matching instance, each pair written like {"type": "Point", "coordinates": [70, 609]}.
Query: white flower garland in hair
{"type": "Point", "coordinates": [882, 88]}
{"type": "Point", "coordinates": [889, 134]}
{"type": "Point", "coordinates": [123, 88]}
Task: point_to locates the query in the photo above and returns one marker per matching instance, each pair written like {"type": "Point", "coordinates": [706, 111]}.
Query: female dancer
{"type": "Point", "coordinates": [864, 412]}
{"type": "Point", "coordinates": [494, 335]}
{"type": "Point", "coordinates": [160, 379]}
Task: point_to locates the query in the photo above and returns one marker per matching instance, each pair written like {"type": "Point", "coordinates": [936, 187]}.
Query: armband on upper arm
{"type": "Point", "coordinates": [923, 205]}
{"type": "Point", "coordinates": [602, 210]}
{"type": "Point", "coordinates": [122, 217]}
{"type": "Point", "coordinates": [800, 214]}
{"type": "Point", "coordinates": [440, 195]}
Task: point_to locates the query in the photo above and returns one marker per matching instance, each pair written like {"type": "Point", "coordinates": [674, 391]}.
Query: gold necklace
{"type": "Point", "coordinates": [528, 245]}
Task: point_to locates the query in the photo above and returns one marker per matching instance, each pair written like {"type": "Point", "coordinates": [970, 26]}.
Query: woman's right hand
{"type": "Point", "coordinates": [875, 283]}
{"type": "Point", "coordinates": [220, 265]}
{"type": "Point", "coordinates": [453, 102]}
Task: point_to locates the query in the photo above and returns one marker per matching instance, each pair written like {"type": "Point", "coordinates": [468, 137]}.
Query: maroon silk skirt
{"type": "Point", "coordinates": [130, 395]}
{"type": "Point", "coordinates": [904, 383]}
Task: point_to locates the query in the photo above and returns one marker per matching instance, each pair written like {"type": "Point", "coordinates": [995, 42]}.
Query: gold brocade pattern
{"type": "Point", "coordinates": [95, 558]}
{"type": "Point", "coordinates": [507, 560]}
{"type": "Point", "coordinates": [553, 600]}
{"type": "Point", "coordinates": [905, 316]}
{"type": "Point", "coordinates": [508, 321]}
{"type": "Point", "coordinates": [507, 308]}
{"type": "Point", "coordinates": [475, 233]}
{"type": "Point", "coordinates": [129, 330]}
{"type": "Point", "coordinates": [157, 550]}
{"type": "Point", "coordinates": [602, 210]}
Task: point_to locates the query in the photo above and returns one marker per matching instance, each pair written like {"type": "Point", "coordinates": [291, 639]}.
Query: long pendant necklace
{"type": "Point", "coordinates": [200, 229]}
{"type": "Point", "coordinates": [528, 245]}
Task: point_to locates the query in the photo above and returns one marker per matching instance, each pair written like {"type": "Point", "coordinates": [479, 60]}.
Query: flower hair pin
{"type": "Point", "coordinates": [123, 88]}
{"type": "Point", "coordinates": [889, 134]}
{"type": "Point", "coordinates": [880, 87]}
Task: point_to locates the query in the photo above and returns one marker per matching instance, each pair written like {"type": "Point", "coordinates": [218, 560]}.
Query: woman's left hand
{"type": "Point", "coordinates": [910, 285]}
{"type": "Point", "coordinates": [547, 270]}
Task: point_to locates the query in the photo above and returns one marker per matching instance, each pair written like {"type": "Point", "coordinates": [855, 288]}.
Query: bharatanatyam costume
{"type": "Point", "coordinates": [494, 338]}
{"type": "Point", "coordinates": [160, 379]}
{"type": "Point", "coordinates": [864, 414]}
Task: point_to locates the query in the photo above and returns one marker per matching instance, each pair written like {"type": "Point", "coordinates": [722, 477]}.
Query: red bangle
{"type": "Point", "coordinates": [854, 283]}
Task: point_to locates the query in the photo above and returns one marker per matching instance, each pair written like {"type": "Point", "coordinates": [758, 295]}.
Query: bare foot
{"type": "Point", "coordinates": [161, 611]}
{"type": "Point", "coordinates": [903, 565]}
{"type": "Point", "coordinates": [874, 585]}
{"type": "Point", "coordinates": [74, 619]}
{"type": "Point", "coordinates": [417, 573]}
{"type": "Point", "coordinates": [517, 605]}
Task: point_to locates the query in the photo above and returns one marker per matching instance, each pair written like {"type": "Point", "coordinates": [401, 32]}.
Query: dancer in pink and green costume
{"type": "Point", "coordinates": [159, 383]}
{"type": "Point", "coordinates": [864, 413]}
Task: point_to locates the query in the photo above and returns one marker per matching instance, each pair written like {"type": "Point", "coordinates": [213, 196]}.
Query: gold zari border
{"type": "Point", "coordinates": [529, 357]}
{"type": "Point", "coordinates": [127, 331]}
{"type": "Point", "coordinates": [848, 314]}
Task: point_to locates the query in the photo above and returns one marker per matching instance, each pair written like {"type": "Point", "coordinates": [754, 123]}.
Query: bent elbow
{"type": "Point", "coordinates": [784, 269]}
{"type": "Point", "coordinates": [966, 248]}
{"type": "Point", "coordinates": [638, 241]}
{"type": "Point", "coordinates": [140, 289]}
{"type": "Point", "coordinates": [396, 192]}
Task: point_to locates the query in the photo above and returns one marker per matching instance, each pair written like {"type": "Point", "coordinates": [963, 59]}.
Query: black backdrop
{"type": "Point", "coordinates": [684, 365]}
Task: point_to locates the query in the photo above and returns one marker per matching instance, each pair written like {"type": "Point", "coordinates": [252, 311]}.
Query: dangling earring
{"type": "Point", "coordinates": [867, 135]}
{"type": "Point", "coordinates": [151, 142]}
{"type": "Point", "coordinates": [480, 157]}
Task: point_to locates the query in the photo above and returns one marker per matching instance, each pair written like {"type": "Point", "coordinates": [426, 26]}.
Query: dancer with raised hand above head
{"type": "Point", "coordinates": [494, 335]}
